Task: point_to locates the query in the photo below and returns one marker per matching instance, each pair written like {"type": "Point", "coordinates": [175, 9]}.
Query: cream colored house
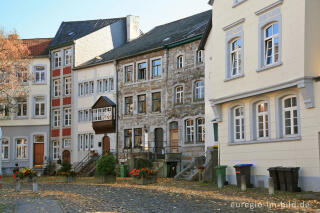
{"type": "Point", "coordinates": [26, 129]}
{"type": "Point", "coordinates": [262, 87]}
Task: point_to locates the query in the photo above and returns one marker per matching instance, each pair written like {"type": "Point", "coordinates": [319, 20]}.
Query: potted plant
{"type": "Point", "coordinates": [106, 168]}
{"type": "Point", "coordinates": [144, 176]}
{"type": "Point", "coordinates": [66, 171]}
{"type": "Point", "coordinates": [28, 173]}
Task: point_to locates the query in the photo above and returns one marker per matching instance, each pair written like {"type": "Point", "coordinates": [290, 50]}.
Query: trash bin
{"type": "Point", "coordinates": [243, 169]}
{"type": "Point", "coordinates": [123, 170]}
{"type": "Point", "coordinates": [273, 172]}
{"type": "Point", "coordinates": [292, 178]}
{"type": "Point", "coordinates": [282, 178]}
{"type": "Point", "coordinates": [221, 170]}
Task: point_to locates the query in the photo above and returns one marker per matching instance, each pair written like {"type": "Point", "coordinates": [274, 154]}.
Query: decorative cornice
{"type": "Point", "coordinates": [267, 8]}
{"type": "Point", "coordinates": [228, 27]}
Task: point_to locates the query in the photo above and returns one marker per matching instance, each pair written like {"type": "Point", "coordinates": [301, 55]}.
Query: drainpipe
{"type": "Point", "coordinates": [117, 112]}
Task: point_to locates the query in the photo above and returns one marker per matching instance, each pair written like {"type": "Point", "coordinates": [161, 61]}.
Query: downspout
{"type": "Point", "coordinates": [117, 111]}
{"type": "Point", "coordinates": [50, 113]}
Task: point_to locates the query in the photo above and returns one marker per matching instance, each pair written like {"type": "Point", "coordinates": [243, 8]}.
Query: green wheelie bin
{"type": "Point", "coordinates": [221, 170]}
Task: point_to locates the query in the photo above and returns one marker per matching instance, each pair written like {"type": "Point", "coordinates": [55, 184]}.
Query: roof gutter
{"type": "Point", "coordinates": [184, 41]}
{"type": "Point", "coordinates": [61, 45]}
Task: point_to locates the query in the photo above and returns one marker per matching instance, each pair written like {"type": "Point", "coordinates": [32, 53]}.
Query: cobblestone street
{"type": "Point", "coordinates": [59, 197]}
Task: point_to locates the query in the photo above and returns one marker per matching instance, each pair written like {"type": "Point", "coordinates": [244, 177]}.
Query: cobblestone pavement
{"type": "Point", "coordinates": [108, 198]}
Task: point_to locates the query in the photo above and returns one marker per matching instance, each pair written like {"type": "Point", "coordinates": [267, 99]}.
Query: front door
{"type": "Point", "coordinates": [106, 144]}
{"type": "Point", "coordinates": [66, 156]}
{"type": "Point", "coordinates": [174, 140]}
{"type": "Point", "coordinates": [38, 154]}
{"type": "Point", "coordinates": [158, 139]}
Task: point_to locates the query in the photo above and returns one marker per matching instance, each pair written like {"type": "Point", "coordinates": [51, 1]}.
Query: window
{"type": "Point", "coordinates": [86, 141]}
{"type": "Point", "coordinates": [67, 117]}
{"type": "Point", "coordinates": [80, 115]}
{"type": "Point", "coordinates": [199, 90]}
{"type": "Point", "coordinates": [66, 143]}
{"type": "Point", "coordinates": [67, 86]}
{"type": "Point", "coordinates": [156, 68]}
{"type": "Point", "coordinates": [85, 115]}
{"type": "Point", "coordinates": [141, 103]}
{"type": "Point", "coordinates": [262, 120]}
{"type": "Point", "coordinates": [85, 88]}
{"type": "Point", "coordinates": [235, 54]}
{"type": "Point", "coordinates": [156, 102]}
{"type": "Point", "coordinates": [127, 138]}
{"type": "Point", "coordinates": [105, 85]}
{"type": "Point", "coordinates": [91, 87]}
{"type": "Point", "coordinates": [57, 59]}
{"type": "Point", "coordinates": [39, 72]}
{"type": "Point", "coordinates": [22, 148]}
{"type": "Point", "coordinates": [128, 105]}
{"type": "Point", "coordinates": [180, 62]}
{"type": "Point", "coordinates": [91, 136]}
{"type": "Point", "coordinates": [81, 141]}
{"type": "Point", "coordinates": [68, 57]}
{"type": "Point", "coordinates": [128, 77]}
{"type": "Point", "coordinates": [215, 132]}
{"type": "Point", "coordinates": [138, 138]}
{"type": "Point", "coordinates": [99, 86]}
{"type": "Point", "coordinates": [238, 124]}
{"type": "Point", "coordinates": [199, 56]}
{"type": "Point", "coordinates": [38, 139]}
{"type": "Point", "coordinates": [56, 88]}
{"type": "Point", "coordinates": [200, 130]}
{"type": "Point", "coordinates": [5, 149]}
{"type": "Point", "coordinates": [56, 118]}
{"type": "Point", "coordinates": [4, 110]}
{"type": "Point", "coordinates": [21, 108]}
{"type": "Point", "coordinates": [271, 44]}
{"type": "Point", "coordinates": [55, 150]}
{"type": "Point", "coordinates": [39, 106]}
{"type": "Point", "coordinates": [81, 90]}
{"type": "Point", "coordinates": [179, 95]}
{"type": "Point", "coordinates": [290, 116]}
{"type": "Point", "coordinates": [111, 84]}
{"type": "Point", "coordinates": [189, 131]}
{"type": "Point", "coordinates": [142, 71]}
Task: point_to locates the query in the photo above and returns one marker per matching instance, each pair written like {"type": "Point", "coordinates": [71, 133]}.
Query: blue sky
{"type": "Point", "coordinates": [41, 18]}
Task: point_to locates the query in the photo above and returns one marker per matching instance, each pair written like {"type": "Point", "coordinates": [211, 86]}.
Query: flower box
{"type": "Point", "coordinates": [144, 181]}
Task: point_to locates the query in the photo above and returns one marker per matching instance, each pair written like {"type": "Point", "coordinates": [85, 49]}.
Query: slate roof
{"type": "Point", "coordinates": [158, 38]}
{"type": "Point", "coordinates": [73, 30]}
{"type": "Point", "coordinates": [205, 35]}
{"type": "Point", "coordinates": [38, 46]}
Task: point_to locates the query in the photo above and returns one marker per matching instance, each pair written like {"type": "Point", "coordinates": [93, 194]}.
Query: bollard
{"type": "Point", "coordinates": [18, 184]}
{"type": "Point", "coordinates": [35, 184]}
{"type": "Point", "coordinates": [220, 182]}
{"type": "Point", "coordinates": [271, 186]}
{"type": "Point", "coordinates": [243, 183]}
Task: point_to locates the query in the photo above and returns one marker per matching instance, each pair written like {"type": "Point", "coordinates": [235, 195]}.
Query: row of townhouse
{"type": "Point", "coordinates": [262, 86]}
{"type": "Point", "coordinates": [106, 86]}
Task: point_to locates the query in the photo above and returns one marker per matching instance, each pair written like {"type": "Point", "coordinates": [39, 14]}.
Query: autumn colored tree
{"type": "Point", "coordinates": [14, 72]}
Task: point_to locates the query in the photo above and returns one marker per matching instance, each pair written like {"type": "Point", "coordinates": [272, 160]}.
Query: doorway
{"type": "Point", "coordinates": [158, 139]}
{"type": "Point", "coordinates": [66, 156]}
{"type": "Point", "coordinates": [174, 137]}
{"type": "Point", "coordinates": [38, 154]}
{"type": "Point", "coordinates": [105, 145]}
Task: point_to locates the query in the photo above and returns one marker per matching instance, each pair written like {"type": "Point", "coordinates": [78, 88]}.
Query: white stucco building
{"type": "Point", "coordinates": [262, 87]}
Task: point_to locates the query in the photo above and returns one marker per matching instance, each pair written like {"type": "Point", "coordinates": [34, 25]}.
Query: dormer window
{"type": "Point", "coordinates": [271, 44]}
{"type": "Point", "coordinates": [235, 55]}
{"type": "Point", "coordinates": [180, 62]}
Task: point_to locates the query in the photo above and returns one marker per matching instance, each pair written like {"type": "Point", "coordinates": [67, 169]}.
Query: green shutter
{"type": "Point", "coordinates": [215, 132]}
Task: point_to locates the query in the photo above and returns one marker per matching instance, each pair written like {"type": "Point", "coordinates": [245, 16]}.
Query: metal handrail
{"type": "Point", "coordinates": [81, 164]}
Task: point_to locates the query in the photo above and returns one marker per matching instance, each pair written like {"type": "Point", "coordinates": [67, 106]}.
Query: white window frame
{"type": "Point", "coordinates": [5, 145]}
{"type": "Point", "coordinates": [67, 86]}
{"type": "Point", "coordinates": [91, 138]}
{"type": "Point", "coordinates": [111, 84]}
{"type": "Point", "coordinates": [56, 87]}
{"type": "Point", "coordinates": [66, 142]}
{"type": "Point", "coordinates": [145, 70]}
{"type": "Point", "coordinates": [125, 68]}
{"type": "Point", "coordinates": [56, 117]}
{"type": "Point", "coordinates": [67, 57]}
{"type": "Point", "coordinates": [81, 89]}
{"type": "Point", "coordinates": [241, 125]}
{"type": "Point", "coordinates": [4, 111]}
{"type": "Point", "coordinates": [199, 57]}
{"type": "Point", "coordinates": [291, 110]}
{"type": "Point", "coordinates": [200, 126]}
{"type": "Point", "coordinates": [105, 85]}
{"type": "Point", "coordinates": [100, 86]}
{"type": "Point", "coordinates": [20, 106]}
{"type": "Point", "coordinates": [235, 58]}
{"type": "Point", "coordinates": [21, 149]}
{"type": "Point", "coordinates": [85, 88]}
{"type": "Point", "coordinates": [57, 59]}
{"type": "Point", "coordinates": [179, 95]}
{"type": "Point", "coordinates": [41, 104]}
{"type": "Point", "coordinates": [55, 150]}
{"type": "Point", "coordinates": [199, 90]}
{"type": "Point", "coordinates": [39, 73]}
{"type": "Point", "coordinates": [271, 39]}
{"type": "Point", "coordinates": [67, 117]}
{"type": "Point", "coordinates": [189, 131]}
{"type": "Point", "coordinates": [125, 106]}
{"type": "Point", "coordinates": [156, 67]}
{"type": "Point", "coordinates": [265, 120]}
{"type": "Point", "coordinates": [180, 61]}
{"type": "Point", "coordinates": [91, 87]}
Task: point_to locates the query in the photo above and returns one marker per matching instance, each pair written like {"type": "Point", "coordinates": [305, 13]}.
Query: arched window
{"type": "Point", "coordinates": [262, 120]}
{"type": "Point", "coordinates": [199, 90]}
{"type": "Point", "coordinates": [189, 131]}
{"type": "Point", "coordinates": [235, 55]}
{"type": "Point", "coordinates": [290, 116]}
{"type": "Point", "coordinates": [238, 124]}
{"type": "Point", "coordinates": [179, 95]}
{"type": "Point", "coordinates": [271, 43]}
{"type": "Point", "coordinates": [180, 61]}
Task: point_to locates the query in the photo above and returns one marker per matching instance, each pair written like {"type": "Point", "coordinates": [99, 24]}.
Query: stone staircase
{"type": "Point", "coordinates": [88, 168]}
{"type": "Point", "coordinates": [191, 172]}
{"type": "Point", "coordinates": [189, 175]}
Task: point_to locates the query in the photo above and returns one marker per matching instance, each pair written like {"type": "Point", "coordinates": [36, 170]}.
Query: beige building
{"type": "Point", "coordinates": [262, 87]}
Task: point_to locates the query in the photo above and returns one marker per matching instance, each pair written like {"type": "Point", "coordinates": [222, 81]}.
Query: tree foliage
{"type": "Point", "coordinates": [106, 165]}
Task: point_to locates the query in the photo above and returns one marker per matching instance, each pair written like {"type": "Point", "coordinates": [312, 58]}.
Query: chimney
{"type": "Point", "coordinates": [133, 28]}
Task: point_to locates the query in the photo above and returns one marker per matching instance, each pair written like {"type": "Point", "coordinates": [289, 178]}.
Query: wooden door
{"type": "Point", "coordinates": [174, 140]}
{"type": "Point", "coordinates": [106, 144]}
{"type": "Point", "coordinates": [38, 154]}
{"type": "Point", "coordinates": [66, 156]}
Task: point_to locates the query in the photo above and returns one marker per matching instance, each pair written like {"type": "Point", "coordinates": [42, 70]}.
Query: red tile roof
{"type": "Point", "coordinates": [38, 46]}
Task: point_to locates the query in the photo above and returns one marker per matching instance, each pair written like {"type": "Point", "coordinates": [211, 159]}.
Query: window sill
{"type": "Point", "coordinates": [238, 3]}
{"type": "Point", "coordinates": [40, 83]}
{"type": "Point", "coordinates": [267, 67]}
{"type": "Point", "coordinates": [286, 139]}
{"type": "Point", "coordinates": [234, 77]}
{"type": "Point", "coordinates": [21, 118]}
{"type": "Point", "coordinates": [39, 117]}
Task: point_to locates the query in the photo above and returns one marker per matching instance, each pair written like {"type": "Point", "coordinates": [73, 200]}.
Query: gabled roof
{"type": "Point", "coordinates": [103, 101]}
{"type": "Point", "coordinates": [73, 30]}
{"type": "Point", "coordinates": [158, 38]}
{"type": "Point", "coordinates": [38, 46]}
